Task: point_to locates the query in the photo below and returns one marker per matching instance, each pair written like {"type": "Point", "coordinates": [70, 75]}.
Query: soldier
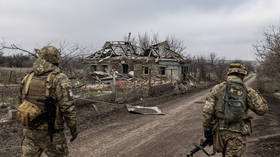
{"type": "Point", "coordinates": [226, 111]}
{"type": "Point", "coordinates": [46, 103]}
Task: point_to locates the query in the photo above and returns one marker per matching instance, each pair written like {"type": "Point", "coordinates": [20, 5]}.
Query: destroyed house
{"type": "Point", "coordinates": [156, 61]}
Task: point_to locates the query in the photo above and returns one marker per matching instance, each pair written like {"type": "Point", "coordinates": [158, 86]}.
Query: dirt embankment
{"type": "Point", "coordinates": [265, 141]}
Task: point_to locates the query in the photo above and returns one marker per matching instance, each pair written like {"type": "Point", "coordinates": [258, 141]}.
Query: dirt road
{"type": "Point", "coordinates": [170, 135]}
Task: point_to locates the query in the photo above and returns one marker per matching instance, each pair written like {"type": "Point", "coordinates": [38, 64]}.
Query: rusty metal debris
{"type": "Point", "coordinates": [144, 110]}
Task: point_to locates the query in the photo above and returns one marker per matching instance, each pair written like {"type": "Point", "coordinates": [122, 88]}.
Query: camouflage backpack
{"type": "Point", "coordinates": [234, 102]}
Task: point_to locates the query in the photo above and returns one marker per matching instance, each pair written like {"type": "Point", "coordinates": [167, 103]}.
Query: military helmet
{"type": "Point", "coordinates": [50, 54]}
{"type": "Point", "coordinates": [237, 68]}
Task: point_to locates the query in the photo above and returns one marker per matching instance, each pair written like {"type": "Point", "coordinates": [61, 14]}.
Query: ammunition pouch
{"type": "Point", "coordinates": [27, 111]}
{"type": "Point", "coordinates": [218, 144]}
{"type": "Point", "coordinates": [246, 128]}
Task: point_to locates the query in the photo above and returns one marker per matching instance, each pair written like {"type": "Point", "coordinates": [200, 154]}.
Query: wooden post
{"type": "Point", "coordinates": [150, 78]}
{"type": "Point", "coordinates": [114, 83]}
{"type": "Point", "coordinates": [171, 75]}
{"type": "Point", "coordinates": [134, 83]}
{"type": "Point", "coordinates": [10, 77]}
{"type": "Point", "coordinates": [95, 108]}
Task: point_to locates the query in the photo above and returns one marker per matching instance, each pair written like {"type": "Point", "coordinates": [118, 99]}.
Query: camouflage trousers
{"type": "Point", "coordinates": [36, 142]}
{"type": "Point", "coordinates": [234, 144]}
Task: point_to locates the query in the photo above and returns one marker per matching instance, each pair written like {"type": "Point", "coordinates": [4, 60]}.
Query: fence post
{"type": "Point", "coordinates": [134, 83]}
{"type": "Point", "coordinates": [114, 84]}
{"type": "Point", "coordinates": [150, 78]}
{"type": "Point", "coordinates": [171, 75]}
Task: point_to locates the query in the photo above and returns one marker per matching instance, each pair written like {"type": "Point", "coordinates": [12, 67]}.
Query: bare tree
{"type": "Point", "coordinates": [14, 47]}
{"type": "Point", "coordinates": [175, 44]}
{"type": "Point", "coordinates": [212, 58]}
{"type": "Point", "coordinates": [145, 40]}
{"type": "Point", "coordinates": [72, 55]}
{"type": "Point", "coordinates": [268, 52]}
{"type": "Point", "coordinates": [199, 67]}
{"type": "Point", "coordinates": [221, 69]}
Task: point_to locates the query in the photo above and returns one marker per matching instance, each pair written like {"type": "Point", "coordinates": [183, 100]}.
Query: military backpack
{"type": "Point", "coordinates": [30, 108]}
{"type": "Point", "coordinates": [234, 102]}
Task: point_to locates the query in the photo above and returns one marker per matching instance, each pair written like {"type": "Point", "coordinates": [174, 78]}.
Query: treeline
{"type": "Point", "coordinates": [214, 68]}
{"type": "Point", "coordinates": [203, 68]}
{"type": "Point", "coordinates": [16, 60]}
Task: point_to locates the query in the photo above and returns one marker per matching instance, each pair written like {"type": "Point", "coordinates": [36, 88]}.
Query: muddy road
{"type": "Point", "coordinates": [132, 135]}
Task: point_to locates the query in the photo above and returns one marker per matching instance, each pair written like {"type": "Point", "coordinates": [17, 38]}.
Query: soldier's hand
{"type": "Point", "coordinates": [208, 133]}
{"type": "Point", "coordinates": [74, 134]}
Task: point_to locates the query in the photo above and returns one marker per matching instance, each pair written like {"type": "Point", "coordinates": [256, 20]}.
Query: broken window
{"type": "Point", "coordinates": [105, 68]}
{"type": "Point", "coordinates": [146, 70]}
{"type": "Point", "coordinates": [162, 70]}
{"type": "Point", "coordinates": [185, 70]}
{"type": "Point", "coordinates": [93, 67]}
{"type": "Point", "coordinates": [125, 68]}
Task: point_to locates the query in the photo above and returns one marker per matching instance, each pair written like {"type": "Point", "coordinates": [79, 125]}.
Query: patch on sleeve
{"type": "Point", "coordinates": [70, 93]}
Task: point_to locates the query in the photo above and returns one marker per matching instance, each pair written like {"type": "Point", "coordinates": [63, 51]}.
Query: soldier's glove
{"type": "Point", "coordinates": [74, 133]}
{"type": "Point", "coordinates": [208, 133]}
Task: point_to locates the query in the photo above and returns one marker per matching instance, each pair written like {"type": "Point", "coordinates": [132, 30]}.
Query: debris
{"type": "Point", "coordinates": [123, 84]}
{"type": "Point", "coordinates": [277, 95]}
{"type": "Point", "coordinates": [100, 74]}
{"type": "Point", "coordinates": [12, 114]}
{"type": "Point", "coordinates": [144, 110]}
{"type": "Point", "coordinates": [95, 108]}
{"type": "Point", "coordinates": [131, 73]}
{"type": "Point", "coordinates": [3, 105]}
{"type": "Point", "coordinates": [4, 120]}
{"type": "Point", "coordinates": [121, 100]}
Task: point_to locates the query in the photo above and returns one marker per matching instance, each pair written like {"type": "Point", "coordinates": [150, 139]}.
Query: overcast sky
{"type": "Point", "coordinates": [227, 27]}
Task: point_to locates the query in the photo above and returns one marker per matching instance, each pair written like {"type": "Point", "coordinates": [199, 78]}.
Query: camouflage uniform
{"type": "Point", "coordinates": [232, 136]}
{"type": "Point", "coordinates": [36, 140]}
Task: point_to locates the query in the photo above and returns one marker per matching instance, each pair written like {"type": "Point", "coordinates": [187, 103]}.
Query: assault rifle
{"type": "Point", "coordinates": [49, 115]}
{"type": "Point", "coordinates": [207, 142]}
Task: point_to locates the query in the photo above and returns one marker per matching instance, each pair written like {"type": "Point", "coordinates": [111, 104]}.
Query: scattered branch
{"type": "Point", "coordinates": [16, 48]}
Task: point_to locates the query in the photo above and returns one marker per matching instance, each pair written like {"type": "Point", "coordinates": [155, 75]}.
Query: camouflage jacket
{"type": "Point", "coordinates": [60, 91]}
{"type": "Point", "coordinates": [213, 108]}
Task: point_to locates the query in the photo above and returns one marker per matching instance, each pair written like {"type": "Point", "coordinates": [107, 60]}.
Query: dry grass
{"type": "Point", "coordinates": [12, 75]}
{"type": "Point", "coordinates": [268, 85]}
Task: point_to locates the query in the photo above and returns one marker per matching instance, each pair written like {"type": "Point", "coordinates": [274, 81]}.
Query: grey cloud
{"type": "Point", "coordinates": [226, 27]}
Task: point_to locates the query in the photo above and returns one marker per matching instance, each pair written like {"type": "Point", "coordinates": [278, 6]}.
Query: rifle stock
{"type": "Point", "coordinates": [200, 147]}
{"type": "Point", "coordinates": [208, 133]}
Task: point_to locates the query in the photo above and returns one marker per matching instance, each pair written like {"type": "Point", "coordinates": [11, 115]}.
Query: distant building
{"type": "Point", "coordinates": [124, 57]}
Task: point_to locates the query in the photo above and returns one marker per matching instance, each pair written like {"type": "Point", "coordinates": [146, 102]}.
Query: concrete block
{"type": "Point", "coordinates": [12, 114]}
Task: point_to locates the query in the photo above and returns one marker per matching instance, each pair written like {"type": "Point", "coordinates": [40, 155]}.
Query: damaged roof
{"type": "Point", "coordinates": [124, 48]}
{"type": "Point", "coordinates": [116, 48]}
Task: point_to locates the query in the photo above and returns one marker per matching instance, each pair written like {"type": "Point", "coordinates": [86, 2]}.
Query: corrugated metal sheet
{"type": "Point", "coordinates": [173, 64]}
{"type": "Point", "coordinates": [169, 63]}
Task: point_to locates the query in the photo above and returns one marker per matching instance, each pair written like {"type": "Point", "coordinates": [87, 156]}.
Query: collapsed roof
{"type": "Point", "coordinates": [124, 48]}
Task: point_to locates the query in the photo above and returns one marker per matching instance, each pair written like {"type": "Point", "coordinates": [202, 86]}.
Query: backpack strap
{"type": "Point", "coordinates": [27, 83]}
{"type": "Point", "coordinates": [48, 83]}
